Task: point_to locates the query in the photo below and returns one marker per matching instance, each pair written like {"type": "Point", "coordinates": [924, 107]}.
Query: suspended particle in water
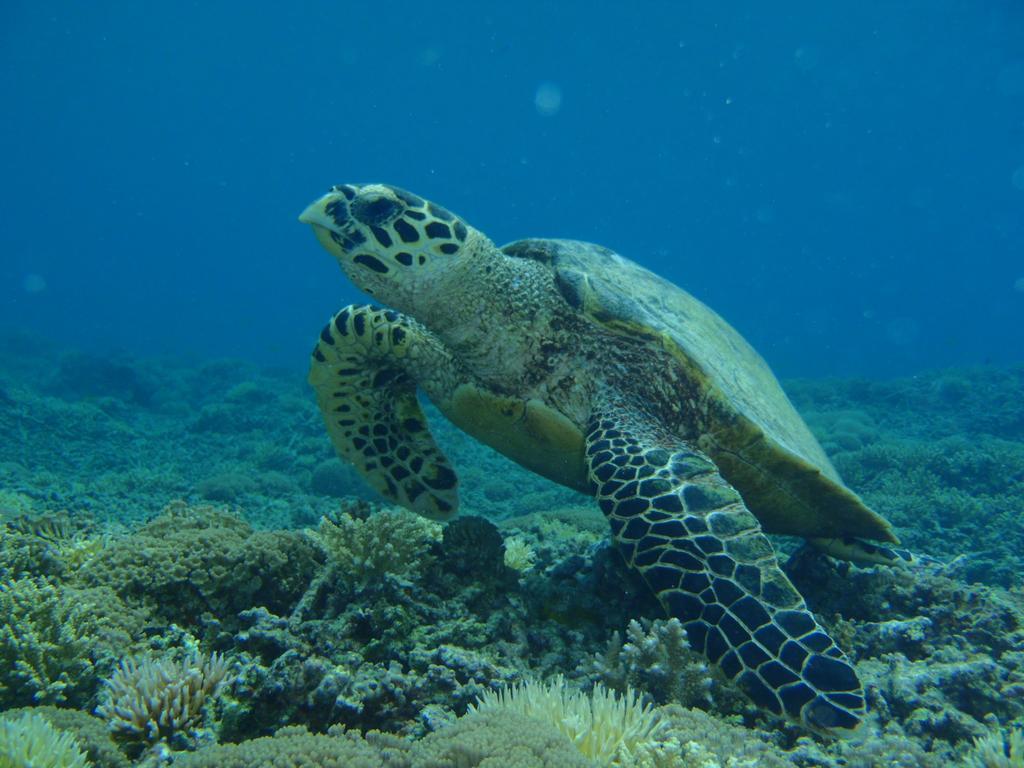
{"type": "Point", "coordinates": [33, 283]}
{"type": "Point", "coordinates": [805, 58]}
{"type": "Point", "coordinates": [1018, 285]}
{"type": "Point", "coordinates": [548, 99]}
{"type": "Point", "coordinates": [903, 331]}
{"type": "Point", "coordinates": [1010, 80]}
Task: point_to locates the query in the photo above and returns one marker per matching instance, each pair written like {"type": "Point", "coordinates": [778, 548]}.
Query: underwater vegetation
{"type": "Point", "coordinates": [188, 576]}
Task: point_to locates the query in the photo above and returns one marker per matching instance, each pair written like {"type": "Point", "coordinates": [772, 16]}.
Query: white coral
{"type": "Point", "coordinates": [604, 726]}
{"type": "Point", "coordinates": [151, 700]}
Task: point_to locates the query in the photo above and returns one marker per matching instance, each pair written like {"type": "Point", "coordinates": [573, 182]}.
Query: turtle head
{"type": "Point", "coordinates": [392, 244]}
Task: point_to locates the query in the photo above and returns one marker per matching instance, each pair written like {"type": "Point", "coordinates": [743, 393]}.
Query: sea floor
{"type": "Point", "coordinates": [186, 569]}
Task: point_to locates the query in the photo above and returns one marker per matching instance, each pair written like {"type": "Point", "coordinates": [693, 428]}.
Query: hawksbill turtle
{"type": "Point", "coordinates": [588, 369]}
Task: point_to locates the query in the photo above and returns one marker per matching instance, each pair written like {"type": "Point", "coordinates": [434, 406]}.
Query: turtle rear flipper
{"type": "Point", "coordinates": [364, 373]}
{"type": "Point", "coordinates": [689, 534]}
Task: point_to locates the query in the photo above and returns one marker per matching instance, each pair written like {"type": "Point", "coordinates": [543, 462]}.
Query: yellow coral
{"type": "Point", "coordinates": [519, 555]}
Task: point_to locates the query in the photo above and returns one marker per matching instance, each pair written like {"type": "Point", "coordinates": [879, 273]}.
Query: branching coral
{"type": "Point", "coordinates": [46, 644]}
{"type": "Point", "coordinates": [605, 727]}
{"type": "Point", "coordinates": [29, 741]}
{"type": "Point", "coordinates": [656, 658]}
{"type": "Point", "coordinates": [154, 700]}
{"type": "Point", "coordinates": [391, 541]}
{"type": "Point", "coordinates": [519, 555]}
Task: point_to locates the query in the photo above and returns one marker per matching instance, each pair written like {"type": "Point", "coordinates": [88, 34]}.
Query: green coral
{"type": "Point", "coordinates": [390, 542]}
{"type": "Point", "coordinates": [498, 739]}
{"type": "Point", "coordinates": [46, 644]}
{"type": "Point", "coordinates": [292, 747]}
{"type": "Point", "coordinates": [194, 561]}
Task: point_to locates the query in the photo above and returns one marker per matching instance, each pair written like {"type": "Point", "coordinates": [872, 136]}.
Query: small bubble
{"type": "Point", "coordinates": [428, 57]}
{"type": "Point", "coordinates": [548, 99]}
{"type": "Point", "coordinates": [1018, 178]}
{"type": "Point", "coordinates": [33, 283]}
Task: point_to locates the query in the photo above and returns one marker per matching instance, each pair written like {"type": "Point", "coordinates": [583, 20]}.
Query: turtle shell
{"type": "Point", "coordinates": [751, 431]}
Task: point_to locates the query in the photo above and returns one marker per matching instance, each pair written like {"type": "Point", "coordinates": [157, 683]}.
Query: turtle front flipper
{"type": "Point", "coordinates": [365, 372]}
{"type": "Point", "coordinates": [702, 552]}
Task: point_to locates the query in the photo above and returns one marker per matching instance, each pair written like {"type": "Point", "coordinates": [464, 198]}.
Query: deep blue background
{"type": "Point", "coordinates": [837, 179]}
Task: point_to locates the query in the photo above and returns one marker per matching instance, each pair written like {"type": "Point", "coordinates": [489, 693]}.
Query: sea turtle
{"type": "Point", "coordinates": [588, 369]}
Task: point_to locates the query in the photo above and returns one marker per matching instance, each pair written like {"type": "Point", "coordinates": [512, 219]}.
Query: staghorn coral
{"type": "Point", "coordinates": [391, 542]}
{"type": "Point", "coordinates": [656, 658]}
{"type": "Point", "coordinates": [606, 727]}
{"type": "Point", "coordinates": [46, 644]}
{"type": "Point", "coordinates": [29, 741]}
{"type": "Point", "coordinates": [164, 700]}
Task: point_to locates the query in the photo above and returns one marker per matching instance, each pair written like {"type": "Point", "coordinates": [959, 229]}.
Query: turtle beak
{"type": "Point", "coordinates": [315, 214]}
{"type": "Point", "coordinates": [323, 226]}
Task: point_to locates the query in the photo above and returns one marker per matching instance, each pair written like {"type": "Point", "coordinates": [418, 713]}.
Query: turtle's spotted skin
{"type": "Point", "coordinates": [702, 553]}
{"type": "Point", "coordinates": [369, 404]}
{"type": "Point", "coordinates": [386, 233]}
{"type": "Point", "coordinates": [590, 370]}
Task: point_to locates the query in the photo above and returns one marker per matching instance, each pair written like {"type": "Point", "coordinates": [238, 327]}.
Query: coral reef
{"type": "Point", "coordinates": [391, 627]}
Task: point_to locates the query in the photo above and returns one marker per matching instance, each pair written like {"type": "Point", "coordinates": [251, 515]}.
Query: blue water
{"type": "Point", "coordinates": [843, 181]}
